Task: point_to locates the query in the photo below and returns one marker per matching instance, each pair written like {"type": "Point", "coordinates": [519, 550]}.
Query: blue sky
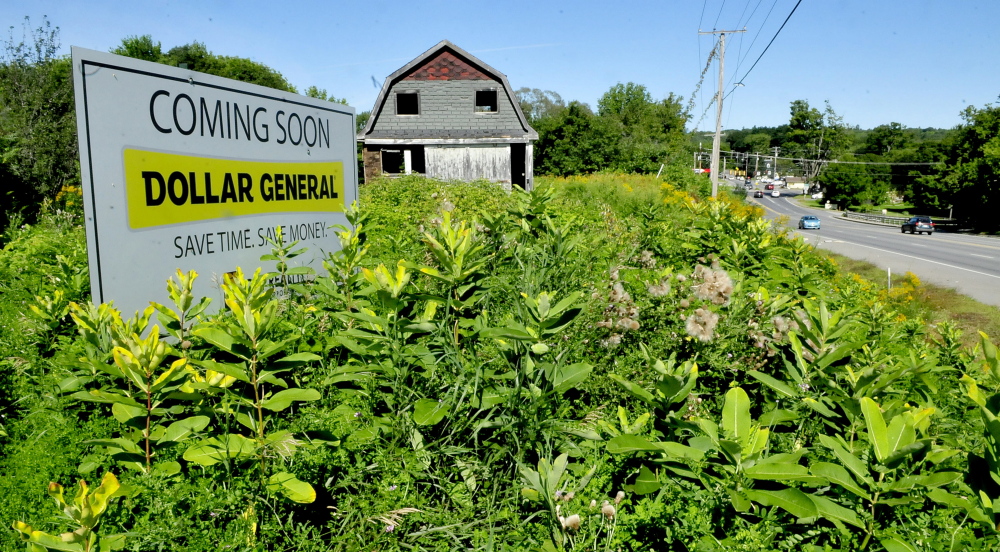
{"type": "Point", "coordinates": [916, 62]}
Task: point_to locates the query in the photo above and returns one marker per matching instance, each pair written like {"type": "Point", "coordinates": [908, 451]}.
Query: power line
{"type": "Point", "coordinates": [830, 161]}
{"type": "Point", "coordinates": [722, 7]}
{"type": "Point", "coordinates": [740, 57]}
{"type": "Point", "coordinates": [769, 43]}
{"type": "Point", "coordinates": [697, 89]}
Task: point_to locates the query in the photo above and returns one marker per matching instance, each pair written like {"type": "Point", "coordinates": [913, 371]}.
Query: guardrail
{"type": "Point", "coordinates": [941, 225]}
{"type": "Point", "coordinates": [875, 219]}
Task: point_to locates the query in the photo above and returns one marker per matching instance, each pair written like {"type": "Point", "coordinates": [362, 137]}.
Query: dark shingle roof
{"type": "Point", "coordinates": [444, 120]}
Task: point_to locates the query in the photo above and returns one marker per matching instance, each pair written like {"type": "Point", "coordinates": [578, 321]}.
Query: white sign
{"type": "Point", "coordinates": [183, 170]}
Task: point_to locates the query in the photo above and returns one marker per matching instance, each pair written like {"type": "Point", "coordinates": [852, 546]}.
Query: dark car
{"type": "Point", "coordinates": [918, 225]}
{"type": "Point", "coordinates": [758, 193]}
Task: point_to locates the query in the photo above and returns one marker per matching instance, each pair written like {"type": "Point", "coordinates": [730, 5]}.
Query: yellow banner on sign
{"type": "Point", "coordinates": [166, 188]}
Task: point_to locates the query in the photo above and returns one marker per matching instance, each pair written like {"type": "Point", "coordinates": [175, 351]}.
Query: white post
{"type": "Point", "coordinates": [407, 161]}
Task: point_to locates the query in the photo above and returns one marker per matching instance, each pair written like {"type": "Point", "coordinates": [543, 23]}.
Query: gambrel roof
{"type": "Point", "coordinates": [446, 78]}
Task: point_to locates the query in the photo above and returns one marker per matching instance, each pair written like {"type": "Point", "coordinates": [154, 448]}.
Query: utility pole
{"type": "Point", "coordinates": [718, 108]}
{"type": "Point", "coordinates": [774, 166]}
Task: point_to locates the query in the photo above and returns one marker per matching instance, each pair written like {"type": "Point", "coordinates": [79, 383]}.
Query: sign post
{"type": "Point", "coordinates": [183, 170]}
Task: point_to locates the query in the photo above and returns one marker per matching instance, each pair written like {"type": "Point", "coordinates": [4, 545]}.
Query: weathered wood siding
{"type": "Point", "coordinates": [491, 162]}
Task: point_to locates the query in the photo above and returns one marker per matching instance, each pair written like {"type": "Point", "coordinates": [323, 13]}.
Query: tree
{"type": "Point", "coordinates": [320, 94]}
{"type": "Point", "coordinates": [885, 138]}
{"type": "Point", "coordinates": [243, 69]}
{"type": "Point", "coordinates": [538, 104]}
{"type": "Point", "coordinates": [814, 136]}
{"type": "Point", "coordinates": [970, 177]}
{"type": "Point", "coordinates": [574, 142]}
{"type": "Point", "coordinates": [140, 47]}
{"type": "Point", "coordinates": [853, 186]}
{"type": "Point", "coordinates": [650, 132]}
{"type": "Point", "coordinates": [38, 148]}
{"type": "Point", "coordinates": [758, 142]}
{"type": "Point", "coordinates": [196, 57]}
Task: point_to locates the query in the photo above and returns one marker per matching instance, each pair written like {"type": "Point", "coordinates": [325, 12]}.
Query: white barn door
{"type": "Point", "coordinates": [490, 161]}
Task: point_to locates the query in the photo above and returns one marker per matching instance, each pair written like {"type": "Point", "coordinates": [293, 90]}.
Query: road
{"type": "Point", "coordinates": [967, 263]}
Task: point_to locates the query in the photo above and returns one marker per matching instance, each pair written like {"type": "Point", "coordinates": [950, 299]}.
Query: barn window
{"type": "Point", "coordinates": [407, 103]}
{"type": "Point", "coordinates": [486, 101]}
{"type": "Point", "coordinates": [392, 161]}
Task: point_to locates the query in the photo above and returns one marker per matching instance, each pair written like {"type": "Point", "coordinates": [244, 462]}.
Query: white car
{"type": "Point", "coordinates": [775, 193]}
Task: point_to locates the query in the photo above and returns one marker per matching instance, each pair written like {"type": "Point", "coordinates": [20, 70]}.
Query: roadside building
{"type": "Point", "coordinates": [448, 115]}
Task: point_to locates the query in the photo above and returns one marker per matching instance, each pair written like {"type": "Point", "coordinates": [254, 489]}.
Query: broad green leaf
{"type": "Point", "coordinates": [739, 500]}
{"type": "Point", "coordinates": [819, 407]}
{"type": "Point", "coordinates": [709, 428]}
{"type": "Point", "coordinates": [631, 443]}
{"type": "Point", "coordinates": [680, 451]}
{"type": "Point", "coordinates": [940, 478]}
{"type": "Point", "coordinates": [110, 543]}
{"type": "Point", "coordinates": [167, 468]}
{"type": "Point", "coordinates": [702, 443]}
{"type": "Point", "coordinates": [44, 541]}
{"type": "Point", "coordinates": [877, 430]}
{"type": "Point", "coordinates": [124, 413]}
{"type": "Point", "coordinates": [295, 360]}
{"type": "Point", "coordinates": [793, 501]}
{"type": "Point", "coordinates": [213, 450]}
{"type": "Point", "coordinates": [757, 441]}
{"type": "Point", "coordinates": [902, 453]}
{"type": "Point", "coordinates": [232, 370]}
{"type": "Point", "coordinates": [942, 496]}
{"type": "Point", "coordinates": [851, 462]}
{"type": "Point", "coordinates": [901, 433]}
{"type": "Point", "coordinates": [778, 416]}
{"type": "Point", "coordinates": [732, 449]}
{"type": "Point", "coordinates": [777, 472]}
{"type": "Point", "coordinates": [940, 455]}
{"type": "Point", "coordinates": [896, 544]}
{"type": "Point", "coordinates": [588, 434]}
{"type": "Point", "coordinates": [903, 484]}
{"type": "Point", "coordinates": [428, 412]}
{"type": "Point", "coordinates": [223, 340]}
{"type": "Point", "coordinates": [831, 510]}
{"type": "Point", "coordinates": [906, 499]}
{"type": "Point", "coordinates": [118, 443]}
{"type": "Point", "coordinates": [97, 395]}
{"type": "Point", "coordinates": [182, 429]}
{"type": "Point", "coordinates": [206, 453]}
{"type": "Point", "coordinates": [990, 354]}
{"type": "Point", "coordinates": [567, 377]}
{"type": "Point", "coordinates": [835, 473]}
{"type": "Point", "coordinates": [283, 399]}
{"type": "Point", "coordinates": [784, 457]}
{"type": "Point", "coordinates": [291, 488]}
{"type": "Point", "coordinates": [774, 383]}
{"type": "Point", "coordinates": [736, 415]}
{"type": "Point", "coordinates": [645, 482]}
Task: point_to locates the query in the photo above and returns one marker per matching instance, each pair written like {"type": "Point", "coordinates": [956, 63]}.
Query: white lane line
{"type": "Point", "coordinates": [983, 256]}
{"type": "Point", "coordinates": [922, 259]}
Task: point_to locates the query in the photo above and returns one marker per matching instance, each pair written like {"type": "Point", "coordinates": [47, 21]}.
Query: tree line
{"type": "Point", "coordinates": [631, 132]}
{"type": "Point", "coordinates": [39, 156]}
{"type": "Point", "coordinates": [938, 171]}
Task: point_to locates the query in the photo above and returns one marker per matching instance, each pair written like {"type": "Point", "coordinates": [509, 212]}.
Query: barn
{"type": "Point", "coordinates": [448, 115]}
